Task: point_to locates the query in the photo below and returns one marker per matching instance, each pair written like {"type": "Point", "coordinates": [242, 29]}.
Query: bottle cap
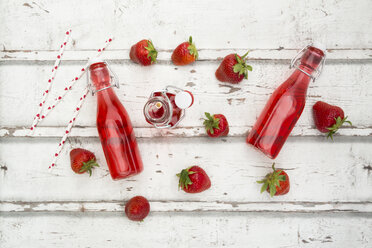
{"type": "Point", "coordinates": [319, 45]}
{"type": "Point", "coordinates": [95, 60]}
{"type": "Point", "coordinates": [184, 99]}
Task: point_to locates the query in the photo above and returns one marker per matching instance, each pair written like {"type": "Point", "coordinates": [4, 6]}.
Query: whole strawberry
{"type": "Point", "coordinates": [82, 161]}
{"type": "Point", "coordinates": [328, 118]}
{"type": "Point", "coordinates": [143, 52]}
{"type": "Point", "coordinates": [276, 183]}
{"type": "Point", "coordinates": [185, 53]}
{"type": "Point", "coordinates": [137, 208]}
{"type": "Point", "coordinates": [216, 125]}
{"type": "Point", "coordinates": [233, 69]}
{"type": "Point", "coordinates": [194, 180]}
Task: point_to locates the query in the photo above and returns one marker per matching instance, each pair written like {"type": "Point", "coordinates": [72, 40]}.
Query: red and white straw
{"type": "Point", "coordinates": [69, 126]}
{"type": "Point", "coordinates": [39, 116]}
{"type": "Point", "coordinates": [73, 81]}
{"type": "Point", "coordinates": [77, 108]}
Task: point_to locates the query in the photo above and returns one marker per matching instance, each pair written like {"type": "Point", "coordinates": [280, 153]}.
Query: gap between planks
{"type": "Point", "coordinates": [188, 206]}
{"type": "Point", "coordinates": [148, 132]}
{"type": "Point", "coordinates": [165, 54]}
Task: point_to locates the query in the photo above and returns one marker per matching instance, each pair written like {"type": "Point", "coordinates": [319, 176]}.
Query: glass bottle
{"type": "Point", "coordinates": [166, 108]}
{"type": "Point", "coordinates": [113, 124]}
{"type": "Point", "coordinates": [286, 104]}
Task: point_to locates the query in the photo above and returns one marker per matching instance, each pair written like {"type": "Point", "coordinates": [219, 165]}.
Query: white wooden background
{"type": "Point", "coordinates": [330, 201]}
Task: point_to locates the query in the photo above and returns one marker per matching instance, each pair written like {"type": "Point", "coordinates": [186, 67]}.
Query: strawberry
{"type": "Point", "coordinates": [276, 183]}
{"type": "Point", "coordinates": [216, 125]}
{"type": "Point", "coordinates": [82, 161]}
{"type": "Point", "coordinates": [233, 69]}
{"type": "Point", "coordinates": [328, 118]}
{"type": "Point", "coordinates": [193, 180]}
{"type": "Point", "coordinates": [143, 52]}
{"type": "Point", "coordinates": [185, 53]}
{"type": "Point", "coordinates": [137, 208]}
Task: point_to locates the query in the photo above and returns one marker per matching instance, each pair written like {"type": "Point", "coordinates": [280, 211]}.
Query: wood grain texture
{"type": "Point", "coordinates": [345, 84]}
{"type": "Point", "coordinates": [164, 55]}
{"type": "Point", "coordinates": [188, 206]}
{"type": "Point", "coordinates": [181, 132]}
{"type": "Point", "coordinates": [186, 230]}
{"type": "Point", "coordinates": [214, 24]}
{"type": "Point", "coordinates": [329, 204]}
{"type": "Point", "coordinates": [319, 171]}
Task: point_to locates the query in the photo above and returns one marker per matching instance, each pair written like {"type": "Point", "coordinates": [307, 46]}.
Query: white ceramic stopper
{"type": "Point", "coordinates": [183, 100]}
{"type": "Point", "coordinates": [94, 60]}
{"type": "Point", "coordinates": [320, 46]}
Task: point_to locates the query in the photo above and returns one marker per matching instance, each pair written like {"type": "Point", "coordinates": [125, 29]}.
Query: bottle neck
{"type": "Point", "coordinates": [157, 110]}
{"type": "Point", "coordinates": [310, 61]}
{"type": "Point", "coordinates": [100, 76]}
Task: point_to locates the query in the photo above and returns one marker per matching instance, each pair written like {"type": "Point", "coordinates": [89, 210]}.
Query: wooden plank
{"type": "Point", "coordinates": [188, 206]}
{"type": "Point", "coordinates": [319, 170]}
{"type": "Point", "coordinates": [148, 132]}
{"type": "Point", "coordinates": [186, 230]}
{"type": "Point", "coordinates": [213, 24]}
{"type": "Point", "coordinates": [165, 55]}
{"type": "Point", "coordinates": [345, 84]}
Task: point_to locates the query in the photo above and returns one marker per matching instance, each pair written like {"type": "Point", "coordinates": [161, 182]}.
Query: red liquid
{"type": "Point", "coordinates": [155, 112]}
{"type": "Point", "coordinates": [114, 127]}
{"type": "Point", "coordinates": [284, 108]}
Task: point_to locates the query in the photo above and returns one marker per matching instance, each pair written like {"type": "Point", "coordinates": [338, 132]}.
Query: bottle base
{"type": "Point", "coordinates": [261, 150]}
{"type": "Point", "coordinates": [125, 176]}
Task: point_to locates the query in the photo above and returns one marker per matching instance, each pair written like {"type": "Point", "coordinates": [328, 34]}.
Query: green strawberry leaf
{"type": "Point", "coordinates": [184, 180]}
{"type": "Point", "coordinates": [334, 128]}
{"type": "Point", "coordinates": [282, 178]}
{"type": "Point", "coordinates": [272, 190]}
{"type": "Point", "coordinates": [88, 166]}
{"type": "Point", "coordinates": [153, 54]}
{"type": "Point", "coordinates": [264, 186]}
{"type": "Point", "coordinates": [192, 49]}
{"type": "Point", "coordinates": [211, 123]}
{"type": "Point", "coordinates": [272, 180]}
{"type": "Point", "coordinates": [241, 67]}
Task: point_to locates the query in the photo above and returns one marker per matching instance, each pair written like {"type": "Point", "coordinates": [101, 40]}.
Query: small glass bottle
{"type": "Point", "coordinates": [286, 104]}
{"type": "Point", "coordinates": [113, 124]}
{"type": "Point", "coordinates": [166, 108]}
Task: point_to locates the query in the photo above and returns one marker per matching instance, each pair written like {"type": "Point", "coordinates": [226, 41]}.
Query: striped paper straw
{"type": "Point", "coordinates": [77, 108]}
{"type": "Point", "coordinates": [73, 81]}
{"type": "Point", "coordinates": [68, 128]}
{"type": "Point", "coordinates": [38, 115]}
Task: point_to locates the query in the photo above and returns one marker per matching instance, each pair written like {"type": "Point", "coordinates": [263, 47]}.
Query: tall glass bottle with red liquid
{"type": "Point", "coordinates": [286, 104]}
{"type": "Point", "coordinates": [114, 126]}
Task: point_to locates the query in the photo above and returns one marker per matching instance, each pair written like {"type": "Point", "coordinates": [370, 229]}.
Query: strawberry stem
{"type": "Point", "coordinates": [153, 54]}
{"type": "Point", "coordinates": [272, 180]}
{"type": "Point", "coordinates": [192, 49]}
{"type": "Point", "coordinates": [211, 123]}
{"type": "Point", "coordinates": [184, 180]}
{"type": "Point", "coordinates": [245, 55]}
{"type": "Point", "coordinates": [241, 67]}
{"type": "Point", "coordinates": [88, 166]}
{"type": "Point", "coordinates": [334, 128]}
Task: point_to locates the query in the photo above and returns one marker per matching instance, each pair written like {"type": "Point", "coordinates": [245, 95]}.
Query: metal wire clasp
{"type": "Point", "coordinates": [317, 71]}
{"type": "Point", "coordinates": [113, 77]}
